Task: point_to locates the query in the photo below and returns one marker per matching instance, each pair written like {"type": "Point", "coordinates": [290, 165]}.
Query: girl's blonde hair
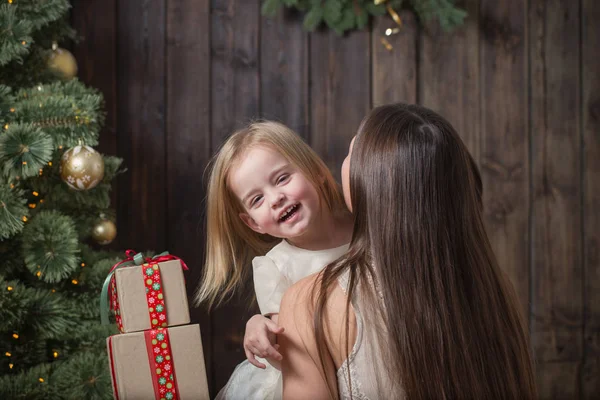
{"type": "Point", "coordinates": [231, 245]}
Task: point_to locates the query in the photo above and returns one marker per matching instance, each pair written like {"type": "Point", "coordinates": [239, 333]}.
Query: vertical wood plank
{"type": "Point", "coordinates": [284, 71]}
{"type": "Point", "coordinates": [591, 181]}
{"type": "Point", "coordinates": [141, 124]}
{"type": "Point", "coordinates": [188, 142]}
{"type": "Point", "coordinates": [234, 101]}
{"type": "Point", "coordinates": [96, 58]}
{"type": "Point", "coordinates": [449, 75]}
{"type": "Point", "coordinates": [557, 300]}
{"type": "Point", "coordinates": [395, 70]}
{"type": "Point", "coordinates": [340, 92]}
{"type": "Point", "coordinates": [504, 141]}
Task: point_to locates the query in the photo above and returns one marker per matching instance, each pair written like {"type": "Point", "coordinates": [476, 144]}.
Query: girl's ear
{"type": "Point", "coordinates": [250, 222]}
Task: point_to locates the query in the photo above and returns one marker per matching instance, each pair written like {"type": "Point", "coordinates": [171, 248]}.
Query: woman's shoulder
{"type": "Point", "coordinates": [307, 290]}
{"type": "Point", "coordinates": [299, 302]}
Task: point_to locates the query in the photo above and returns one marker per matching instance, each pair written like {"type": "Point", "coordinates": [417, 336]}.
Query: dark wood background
{"type": "Point", "coordinates": [520, 81]}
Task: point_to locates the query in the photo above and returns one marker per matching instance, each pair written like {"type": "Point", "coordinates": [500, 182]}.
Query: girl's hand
{"type": "Point", "coordinates": [260, 340]}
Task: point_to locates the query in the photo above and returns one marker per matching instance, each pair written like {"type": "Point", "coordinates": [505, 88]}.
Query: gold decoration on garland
{"type": "Point", "coordinates": [62, 63]}
{"type": "Point", "coordinates": [104, 231]}
{"type": "Point", "coordinates": [81, 167]}
{"type": "Point", "coordinates": [389, 31]}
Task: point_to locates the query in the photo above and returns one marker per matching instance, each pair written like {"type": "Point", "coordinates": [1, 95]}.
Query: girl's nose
{"type": "Point", "coordinates": [277, 199]}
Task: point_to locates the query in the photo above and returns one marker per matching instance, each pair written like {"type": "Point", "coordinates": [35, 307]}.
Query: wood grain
{"type": "Point", "coordinates": [284, 71]}
{"type": "Point", "coordinates": [234, 102]}
{"type": "Point", "coordinates": [449, 76]}
{"type": "Point", "coordinates": [504, 143]}
{"type": "Point", "coordinates": [394, 77]}
{"type": "Point", "coordinates": [188, 143]}
{"type": "Point", "coordinates": [141, 122]}
{"type": "Point", "coordinates": [557, 318]}
{"type": "Point", "coordinates": [340, 92]}
{"type": "Point", "coordinates": [591, 189]}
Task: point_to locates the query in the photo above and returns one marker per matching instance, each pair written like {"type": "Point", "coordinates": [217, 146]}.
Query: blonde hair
{"type": "Point", "coordinates": [231, 244]}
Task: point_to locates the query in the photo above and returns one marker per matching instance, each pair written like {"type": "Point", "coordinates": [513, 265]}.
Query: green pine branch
{"type": "Point", "coordinates": [345, 15]}
{"type": "Point", "coordinates": [53, 344]}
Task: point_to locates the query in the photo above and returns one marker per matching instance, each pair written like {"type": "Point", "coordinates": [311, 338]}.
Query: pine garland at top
{"type": "Point", "coordinates": [345, 15]}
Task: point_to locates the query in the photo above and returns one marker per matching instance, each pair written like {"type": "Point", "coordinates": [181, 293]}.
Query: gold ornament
{"type": "Point", "coordinates": [104, 231]}
{"type": "Point", "coordinates": [81, 168]}
{"type": "Point", "coordinates": [62, 63]}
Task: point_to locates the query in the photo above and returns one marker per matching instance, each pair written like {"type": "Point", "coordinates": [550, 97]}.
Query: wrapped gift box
{"type": "Point", "coordinates": [135, 311]}
{"type": "Point", "coordinates": [166, 363]}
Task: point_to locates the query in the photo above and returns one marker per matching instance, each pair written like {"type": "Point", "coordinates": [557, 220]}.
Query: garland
{"type": "Point", "coordinates": [345, 15]}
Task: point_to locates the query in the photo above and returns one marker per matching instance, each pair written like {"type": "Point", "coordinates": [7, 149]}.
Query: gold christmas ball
{"type": "Point", "coordinates": [104, 231]}
{"type": "Point", "coordinates": [81, 168]}
{"type": "Point", "coordinates": [62, 63]}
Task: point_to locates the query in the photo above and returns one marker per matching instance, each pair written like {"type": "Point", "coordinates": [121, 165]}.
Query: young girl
{"type": "Point", "coordinates": [266, 184]}
{"type": "Point", "coordinates": [418, 307]}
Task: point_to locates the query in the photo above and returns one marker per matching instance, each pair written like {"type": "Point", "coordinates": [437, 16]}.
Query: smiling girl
{"type": "Point", "coordinates": [272, 203]}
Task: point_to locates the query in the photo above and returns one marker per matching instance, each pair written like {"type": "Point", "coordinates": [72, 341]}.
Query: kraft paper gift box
{"type": "Point", "coordinates": [146, 365]}
{"type": "Point", "coordinates": [135, 311]}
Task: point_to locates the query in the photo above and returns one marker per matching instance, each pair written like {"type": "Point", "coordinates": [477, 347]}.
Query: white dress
{"type": "Point", "coordinates": [274, 273]}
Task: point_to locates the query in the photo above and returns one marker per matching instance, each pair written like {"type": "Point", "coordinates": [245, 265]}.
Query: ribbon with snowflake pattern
{"type": "Point", "coordinates": [162, 367]}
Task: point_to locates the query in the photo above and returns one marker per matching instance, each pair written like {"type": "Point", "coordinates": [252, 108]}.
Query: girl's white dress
{"type": "Point", "coordinates": [274, 273]}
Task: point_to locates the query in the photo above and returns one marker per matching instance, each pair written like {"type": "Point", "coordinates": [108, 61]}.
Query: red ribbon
{"type": "Point", "coordinates": [162, 367]}
{"type": "Point", "coordinates": [129, 257]}
{"type": "Point", "coordinates": [112, 367]}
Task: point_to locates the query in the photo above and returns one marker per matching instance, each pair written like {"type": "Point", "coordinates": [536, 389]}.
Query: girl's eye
{"type": "Point", "coordinates": [255, 200]}
{"type": "Point", "coordinates": [282, 178]}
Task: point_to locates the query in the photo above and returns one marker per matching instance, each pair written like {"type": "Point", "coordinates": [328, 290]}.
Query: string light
{"type": "Point", "coordinates": [24, 162]}
{"type": "Point", "coordinates": [41, 200]}
{"type": "Point", "coordinates": [55, 354]}
{"type": "Point", "coordinates": [32, 205]}
{"type": "Point", "coordinates": [15, 335]}
{"type": "Point", "coordinates": [74, 282]}
{"type": "Point", "coordinates": [53, 290]}
{"type": "Point", "coordinates": [10, 2]}
{"type": "Point", "coordinates": [24, 218]}
{"type": "Point", "coordinates": [82, 265]}
{"type": "Point", "coordinates": [38, 274]}
{"type": "Point", "coordinates": [50, 162]}
{"type": "Point", "coordinates": [12, 109]}
{"type": "Point", "coordinates": [10, 365]}
{"type": "Point", "coordinates": [35, 193]}
{"type": "Point", "coordinates": [6, 126]}
{"type": "Point", "coordinates": [7, 354]}
{"type": "Point", "coordinates": [9, 288]}
{"type": "Point", "coordinates": [12, 185]}
{"type": "Point", "coordinates": [41, 380]}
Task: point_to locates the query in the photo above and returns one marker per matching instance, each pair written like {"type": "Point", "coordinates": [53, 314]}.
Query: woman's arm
{"type": "Point", "coordinates": [303, 375]}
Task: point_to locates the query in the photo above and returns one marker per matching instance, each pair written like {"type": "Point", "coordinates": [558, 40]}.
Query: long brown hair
{"type": "Point", "coordinates": [420, 257]}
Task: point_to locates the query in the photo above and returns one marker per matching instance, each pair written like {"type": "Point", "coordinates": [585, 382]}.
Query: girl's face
{"type": "Point", "coordinates": [277, 198]}
{"type": "Point", "coordinates": [346, 176]}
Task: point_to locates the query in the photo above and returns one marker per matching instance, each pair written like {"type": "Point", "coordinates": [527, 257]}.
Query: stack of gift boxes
{"type": "Point", "coordinates": [156, 356]}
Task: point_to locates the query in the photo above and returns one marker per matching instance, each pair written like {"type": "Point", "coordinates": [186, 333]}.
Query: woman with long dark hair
{"type": "Point", "coordinates": [418, 308]}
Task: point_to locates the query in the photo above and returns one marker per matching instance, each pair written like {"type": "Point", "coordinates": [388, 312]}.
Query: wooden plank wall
{"type": "Point", "coordinates": [519, 81]}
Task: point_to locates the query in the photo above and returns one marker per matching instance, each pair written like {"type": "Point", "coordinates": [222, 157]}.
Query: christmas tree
{"type": "Point", "coordinates": [54, 211]}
